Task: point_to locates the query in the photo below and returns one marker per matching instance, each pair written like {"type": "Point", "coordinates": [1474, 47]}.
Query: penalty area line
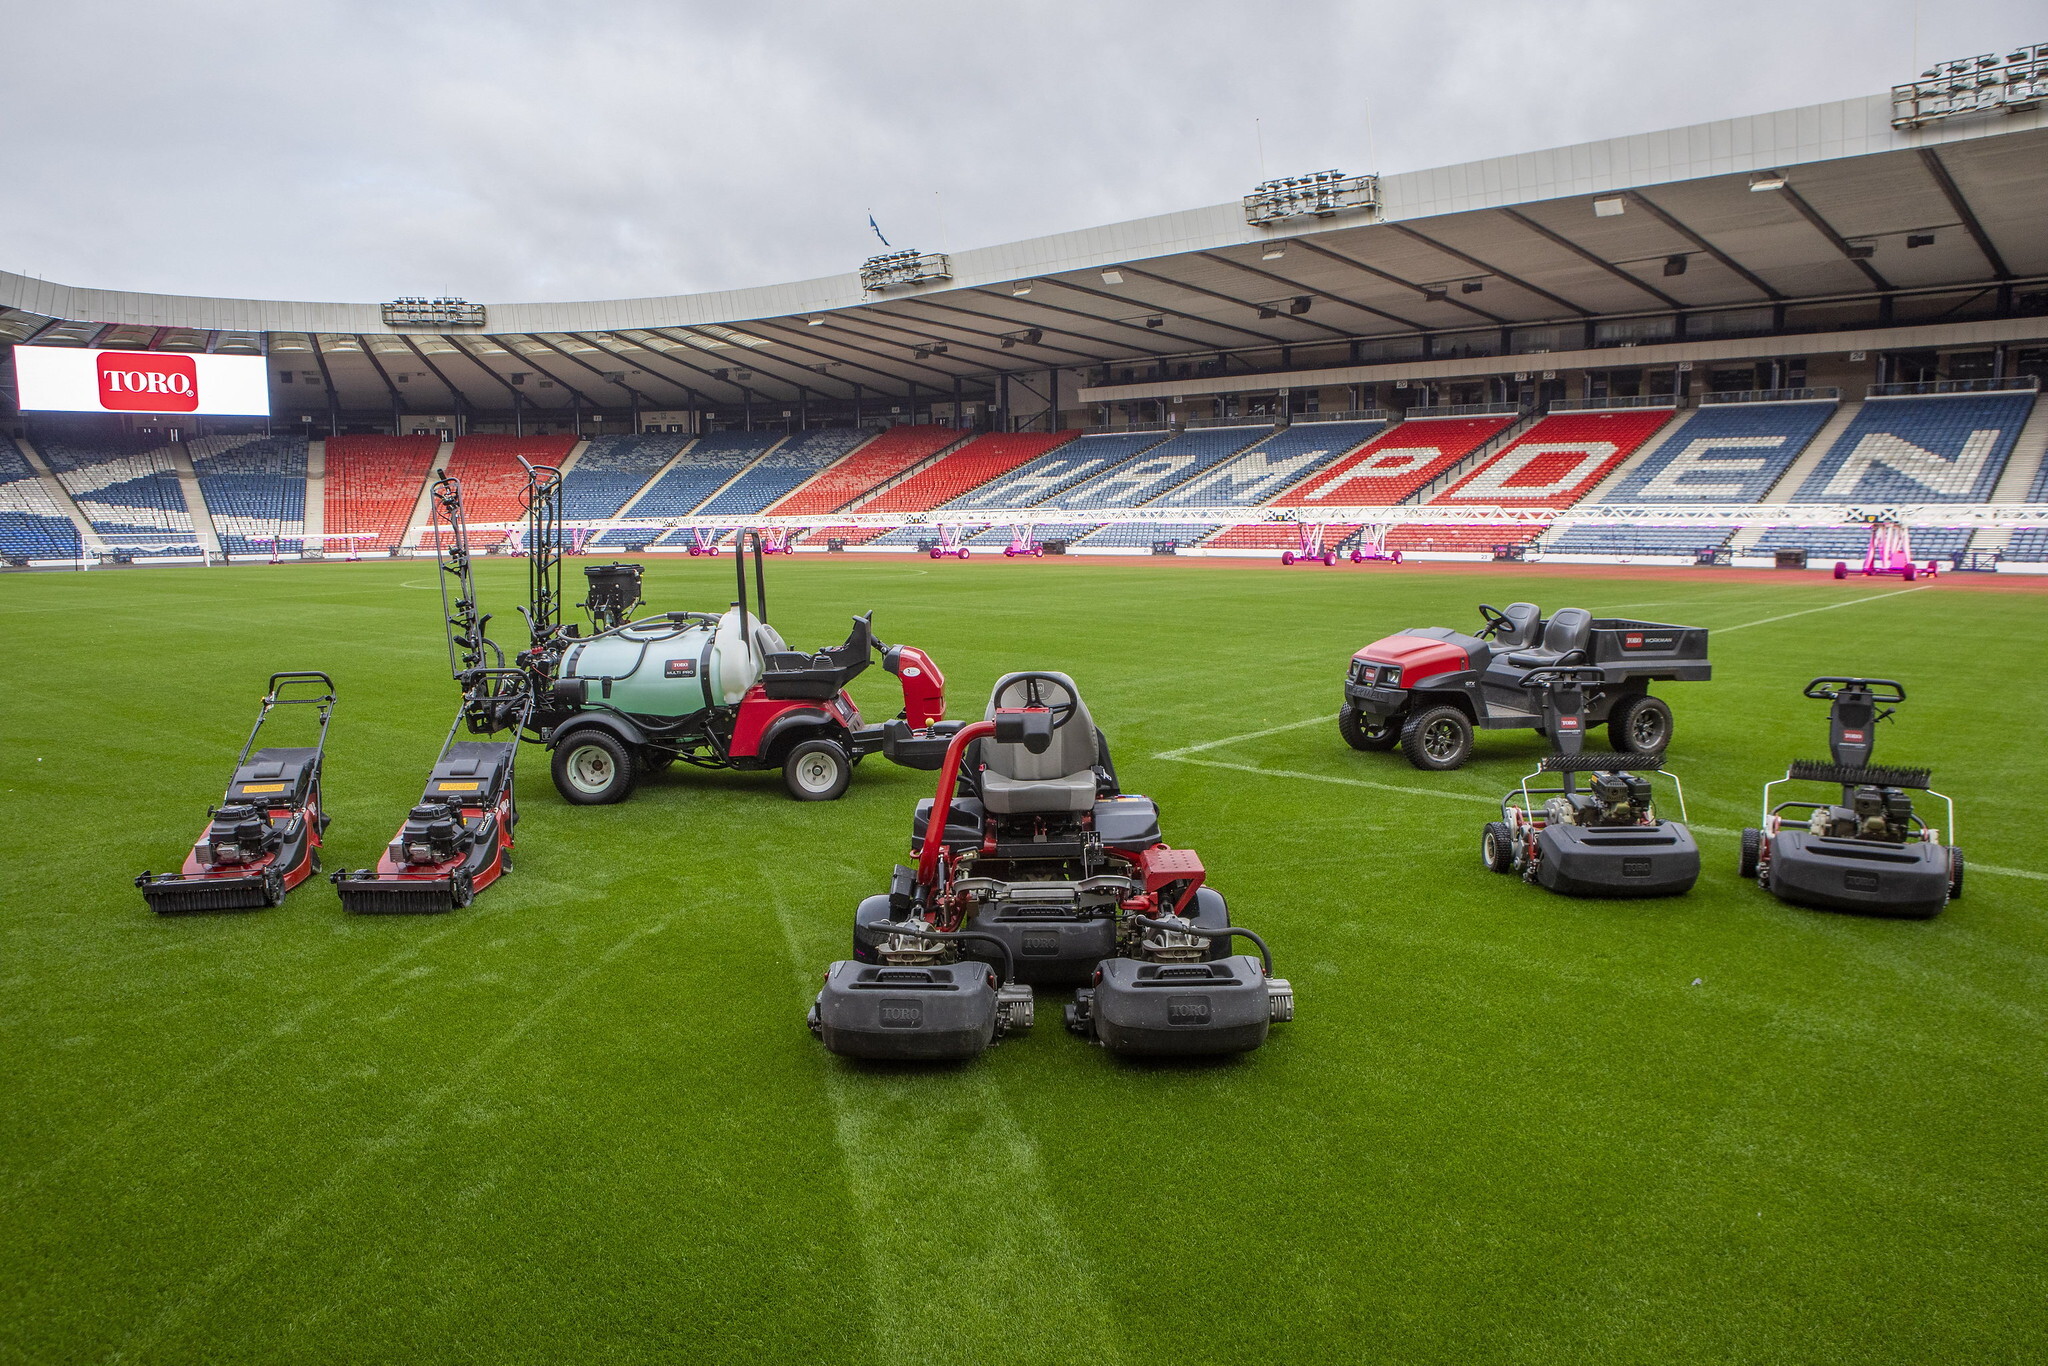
{"type": "Point", "coordinates": [1766, 621]}
{"type": "Point", "coordinates": [1254, 735]}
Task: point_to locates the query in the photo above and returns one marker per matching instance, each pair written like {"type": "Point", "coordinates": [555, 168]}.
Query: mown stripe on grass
{"type": "Point", "coordinates": [961, 1240]}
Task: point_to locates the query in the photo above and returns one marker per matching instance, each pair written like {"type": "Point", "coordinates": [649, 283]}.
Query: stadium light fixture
{"type": "Point", "coordinates": [1274, 251]}
{"type": "Point", "coordinates": [1919, 239]}
{"type": "Point", "coordinates": [1300, 303]}
{"type": "Point", "coordinates": [1675, 264]}
{"type": "Point", "coordinates": [1009, 342]}
{"type": "Point", "coordinates": [1471, 286]}
{"type": "Point", "coordinates": [1020, 289]}
{"type": "Point", "coordinates": [1112, 277]}
{"type": "Point", "coordinates": [1321, 194]}
{"type": "Point", "coordinates": [1033, 336]}
{"type": "Point", "coordinates": [1609, 208]}
{"type": "Point", "coordinates": [1155, 321]}
{"type": "Point", "coordinates": [1973, 85]}
{"type": "Point", "coordinates": [899, 268]}
{"type": "Point", "coordinates": [1268, 311]}
{"type": "Point", "coordinates": [1767, 180]}
{"type": "Point", "coordinates": [816, 321]}
{"type": "Point", "coordinates": [1862, 251]}
{"type": "Point", "coordinates": [1435, 296]}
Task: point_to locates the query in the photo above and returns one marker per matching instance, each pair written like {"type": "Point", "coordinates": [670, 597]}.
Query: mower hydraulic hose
{"type": "Point", "coordinates": [942, 800]}
{"type": "Point", "coordinates": [953, 936]}
{"type": "Point", "coordinates": [1204, 932]}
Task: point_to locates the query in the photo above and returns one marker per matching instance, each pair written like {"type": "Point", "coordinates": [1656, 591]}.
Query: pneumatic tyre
{"type": "Point", "coordinates": [1752, 851]}
{"type": "Point", "coordinates": [593, 768]}
{"type": "Point", "coordinates": [1955, 874]}
{"type": "Point", "coordinates": [816, 770]}
{"type": "Point", "coordinates": [1437, 739]}
{"type": "Point", "coordinates": [1640, 725]}
{"type": "Point", "coordinates": [1363, 734]}
{"type": "Point", "coordinates": [1497, 847]}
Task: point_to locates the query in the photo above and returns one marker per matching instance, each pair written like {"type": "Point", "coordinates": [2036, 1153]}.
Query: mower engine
{"type": "Point", "coordinates": [433, 833]}
{"type": "Point", "coordinates": [1871, 813]}
{"type": "Point", "coordinates": [1610, 800]}
{"type": "Point", "coordinates": [237, 835]}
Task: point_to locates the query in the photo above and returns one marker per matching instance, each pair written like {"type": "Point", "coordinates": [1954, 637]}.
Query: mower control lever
{"type": "Point", "coordinates": [1821, 693]}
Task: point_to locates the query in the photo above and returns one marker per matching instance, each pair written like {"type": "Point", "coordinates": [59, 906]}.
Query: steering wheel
{"type": "Point", "coordinates": [1034, 695]}
{"type": "Point", "coordinates": [1496, 621]}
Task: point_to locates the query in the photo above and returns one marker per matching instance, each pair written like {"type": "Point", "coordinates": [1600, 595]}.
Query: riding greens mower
{"type": "Point", "coordinates": [1869, 851]}
{"type": "Point", "coordinates": [1601, 841]}
{"type": "Point", "coordinates": [1031, 858]}
{"type": "Point", "coordinates": [264, 837]}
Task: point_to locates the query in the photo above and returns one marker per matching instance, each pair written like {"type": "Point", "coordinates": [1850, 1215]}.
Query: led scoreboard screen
{"type": "Point", "coordinates": [56, 379]}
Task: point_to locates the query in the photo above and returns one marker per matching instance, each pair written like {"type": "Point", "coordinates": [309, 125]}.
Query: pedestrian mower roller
{"type": "Point", "coordinates": [1603, 840]}
{"type": "Point", "coordinates": [1031, 859]}
{"type": "Point", "coordinates": [1869, 851]}
{"type": "Point", "coordinates": [263, 839]}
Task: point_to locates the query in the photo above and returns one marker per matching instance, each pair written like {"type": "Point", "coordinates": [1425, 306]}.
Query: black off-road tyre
{"type": "Point", "coordinates": [1437, 739]}
{"type": "Point", "coordinates": [1640, 725]}
{"type": "Point", "coordinates": [1362, 734]}
{"type": "Point", "coordinates": [1497, 847]}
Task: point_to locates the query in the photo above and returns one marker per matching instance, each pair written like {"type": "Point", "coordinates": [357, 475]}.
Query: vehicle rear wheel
{"type": "Point", "coordinates": [1955, 875]}
{"type": "Point", "coordinates": [1752, 850]}
{"type": "Point", "coordinates": [1497, 847]}
{"type": "Point", "coordinates": [816, 770]}
{"type": "Point", "coordinates": [1363, 733]}
{"type": "Point", "coordinates": [1640, 725]}
{"type": "Point", "coordinates": [1437, 739]}
{"type": "Point", "coordinates": [593, 768]}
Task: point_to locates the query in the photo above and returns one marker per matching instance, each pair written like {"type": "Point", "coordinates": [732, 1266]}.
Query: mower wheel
{"type": "Point", "coordinates": [817, 770]}
{"type": "Point", "coordinates": [1752, 851]}
{"type": "Point", "coordinates": [1497, 847]}
{"type": "Point", "coordinates": [1362, 734]}
{"type": "Point", "coordinates": [592, 768]}
{"type": "Point", "coordinates": [1437, 739]}
{"type": "Point", "coordinates": [273, 888]}
{"type": "Point", "coordinates": [461, 890]}
{"type": "Point", "coordinates": [1641, 725]}
{"type": "Point", "coordinates": [1955, 874]}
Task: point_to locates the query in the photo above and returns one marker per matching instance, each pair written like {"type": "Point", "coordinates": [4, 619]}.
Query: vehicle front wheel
{"type": "Point", "coordinates": [817, 770]}
{"type": "Point", "coordinates": [1361, 732]}
{"type": "Point", "coordinates": [592, 768]}
{"type": "Point", "coordinates": [1437, 739]}
{"type": "Point", "coordinates": [1497, 847]}
{"type": "Point", "coordinates": [1640, 725]}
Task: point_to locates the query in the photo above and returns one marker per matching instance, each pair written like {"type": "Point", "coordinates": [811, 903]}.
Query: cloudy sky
{"type": "Point", "coordinates": [512, 150]}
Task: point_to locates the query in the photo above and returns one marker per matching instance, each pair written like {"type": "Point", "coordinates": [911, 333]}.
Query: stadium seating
{"type": "Point", "coordinates": [1947, 448]}
{"type": "Point", "coordinates": [1623, 539]}
{"type": "Point", "coordinates": [792, 463]}
{"type": "Point", "coordinates": [1398, 463]}
{"type": "Point", "coordinates": [1275, 536]}
{"type": "Point", "coordinates": [31, 522]}
{"type": "Point", "coordinates": [1042, 480]}
{"type": "Point", "coordinates": [1556, 461]}
{"type": "Point", "coordinates": [127, 487]}
{"type": "Point", "coordinates": [1141, 535]}
{"type": "Point", "coordinates": [2029, 543]}
{"type": "Point", "coordinates": [1410, 540]}
{"type": "Point", "coordinates": [882, 459]}
{"type": "Point", "coordinates": [1825, 543]}
{"type": "Point", "coordinates": [1286, 457]}
{"type": "Point", "coordinates": [708, 464]}
{"type": "Point", "coordinates": [494, 480]}
{"type": "Point", "coordinates": [373, 483]}
{"type": "Point", "coordinates": [253, 486]}
{"type": "Point", "coordinates": [974, 464]}
{"type": "Point", "coordinates": [1140, 479]}
{"type": "Point", "coordinates": [1724, 453]}
{"type": "Point", "coordinates": [611, 470]}
{"type": "Point", "coordinates": [995, 538]}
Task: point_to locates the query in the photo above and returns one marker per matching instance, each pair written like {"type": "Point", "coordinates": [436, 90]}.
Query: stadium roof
{"type": "Point", "coordinates": [1656, 224]}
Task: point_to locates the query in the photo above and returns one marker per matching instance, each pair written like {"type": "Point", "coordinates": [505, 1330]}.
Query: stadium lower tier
{"type": "Point", "coordinates": [1638, 540]}
{"type": "Point", "coordinates": [1460, 540]}
{"type": "Point", "coordinates": [1849, 542]}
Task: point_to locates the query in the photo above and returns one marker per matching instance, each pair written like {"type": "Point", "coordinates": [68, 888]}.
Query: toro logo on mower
{"type": "Point", "coordinates": [1567, 723]}
{"type": "Point", "coordinates": [1852, 737]}
{"type": "Point", "coordinates": [131, 382]}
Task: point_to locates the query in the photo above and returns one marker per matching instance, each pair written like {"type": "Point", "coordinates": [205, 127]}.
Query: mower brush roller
{"type": "Point", "coordinates": [1428, 688]}
{"type": "Point", "coordinates": [1869, 851]}
{"type": "Point", "coordinates": [1031, 858]}
{"type": "Point", "coordinates": [1600, 840]}
{"type": "Point", "coordinates": [263, 839]}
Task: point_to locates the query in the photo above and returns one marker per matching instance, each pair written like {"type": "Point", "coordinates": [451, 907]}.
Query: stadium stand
{"type": "Point", "coordinates": [127, 487]}
{"type": "Point", "coordinates": [796, 461]}
{"type": "Point", "coordinates": [611, 470]}
{"type": "Point", "coordinates": [995, 538]}
{"type": "Point", "coordinates": [1724, 453]}
{"type": "Point", "coordinates": [1830, 543]}
{"type": "Point", "coordinates": [974, 464]}
{"type": "Point", "coordinates": [1043, 480]}
{"type": "Point", "coordinates": [1286, 457]}
{"type": "Point", "coordinates": [32, 525]}
{"type": "Point", "coordinates": [706, 466]}
{"type": "Point", "coordinates": [372, 484]}
{"type": "Point", "coordinates": [1625, 540]}
{"type": "Point", "coordinates": [1276, 537]}
{"type": "Point", "coordinates": [1463, 540]}
{"type": "Point", "coordinates": [1158, 469]}
{"type": "Point", "coordinates": [1143, 535]}
{"type": "Point", "coordinates": [253, 486]}
{"type": "Point", "coordinates": [1945, 448]}
{"type": "Point", "coordinates": [880, 460]}
{"type": "Point", "coordinates": [1556, 461]}
{"type": "Point", "coordinates": [1398, 463]}
{"type": "Point", "coordinates": [493, 480]}
{"type": "Point", "coordinates": [2029, 544]}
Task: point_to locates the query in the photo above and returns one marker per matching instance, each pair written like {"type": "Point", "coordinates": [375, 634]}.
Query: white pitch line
{"type": "Point", "coordinates": [1255, 735]}
{"type": "Point", "coordinates": [1766, 621]}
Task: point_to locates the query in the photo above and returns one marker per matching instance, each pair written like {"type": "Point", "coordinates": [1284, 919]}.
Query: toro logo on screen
{"type": "Point", "coordinates": [132, 382]}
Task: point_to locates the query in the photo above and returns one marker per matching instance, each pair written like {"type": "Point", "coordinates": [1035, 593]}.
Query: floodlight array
{"type": "Point", "coordinates": [445, 311]}
{"type": "Point", "coordinates": [904, 268]}
{"type": "Point", "coordinates": [1973, 85]}
{"type": "Point", "coordinates": [1319, 195]}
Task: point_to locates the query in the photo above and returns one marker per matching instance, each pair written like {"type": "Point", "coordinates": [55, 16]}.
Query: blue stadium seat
{"type": "Point", "coordinates": [1044, 479]}
{"type": "Point", "coordinates": [1141, 535]}
{"type": "Point", "coordinates": [127, 487]}
{"type": "Point", "coordinates": [31, 522]}
{"type": "Point", "coordinates": [1145, 476]}
{"type": "Point", "coordinates": [711, 462]}
{"type": "Point", "coordinates": [1947, 448]}
{"type": "Point", "coordinates": [1278, 463]}
{"type": "Point", "coordinates": [1624, 539]}
{"type": "Point", "coordinates": [611, 470]}
{"type": "Point", "coordinates": [801, 458]}
{"type": "Point", "coordinates": [1849, 542]}
{"type": "Point", "coordinates": [1725, 453]}
{"type": "Point", "coordinates": [2029, 543]}
{"type": "Point", "coordinates": [253, 486]}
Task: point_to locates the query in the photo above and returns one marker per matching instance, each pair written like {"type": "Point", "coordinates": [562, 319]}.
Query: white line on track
{"type": "Point", "coordinates": [1766, 621]}
{"type": "Point", "coordinates": [1016, 1274]}
{"type": "Point", "coordinates": [233, 1268]}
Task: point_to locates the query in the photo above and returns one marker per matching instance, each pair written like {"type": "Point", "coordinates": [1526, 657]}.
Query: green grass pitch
{"type": "Point", "coordinates": [582, 1121]}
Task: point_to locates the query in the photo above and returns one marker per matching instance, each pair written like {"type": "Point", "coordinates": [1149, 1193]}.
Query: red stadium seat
{"type": "Point", "coordinates": [877, 462]}
{"type": "Point", "coordinates": [973, 465]}
{"type": "Point", "coordinates": [1397, 463]}
{"type": "Point", "coordinates": [373, 483]}
{"type": "Point", "coordinates": [1557, 461]}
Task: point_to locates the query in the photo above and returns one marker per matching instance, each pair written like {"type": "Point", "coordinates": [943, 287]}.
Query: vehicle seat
{"type": "Point", "coordinates": [1520, 632]}
{"type": "Point", "coordinates": [1564, 640]}
{"type": "Point", "coordinates": [1014, 781]}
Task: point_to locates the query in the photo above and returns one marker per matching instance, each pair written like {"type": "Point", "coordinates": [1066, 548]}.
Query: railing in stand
{"type": "Point", "coordinates": [1825, 391]}
{"type": "Point", "coordinates": [1463, 410]}
{"type": "Point", "coordinates": [1345, 415]}
{"type": "Point", "coordinates": [2026, 383]}
{"type": "Point", "coordinates": [1601, 405]}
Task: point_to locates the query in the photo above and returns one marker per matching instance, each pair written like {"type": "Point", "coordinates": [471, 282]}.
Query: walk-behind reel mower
{"type": "Point", "coordinates": [264, 837]}
{"type": "Point", "coordinates": [1870, 851]}
{"type": "Point", "coordinates": [1602, 840]}
{"type": "Point", "coordinates": [458, 839]}
{"type": "Point", "coordinates": [1041, 865]}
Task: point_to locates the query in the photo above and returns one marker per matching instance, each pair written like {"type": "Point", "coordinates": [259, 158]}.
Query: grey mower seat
{"type": "Point", "coordinates": [1014, 781]}
{"type": "Point", "coordinates": [1520, 632]}
{"type": "Point", "coordinates": [1564, 640]}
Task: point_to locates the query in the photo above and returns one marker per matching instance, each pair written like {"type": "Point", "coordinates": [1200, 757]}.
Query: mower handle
{"type": "Point", "coordinates": [300, 676]}
{"type": "Point", "coordinates": [1816, 691]}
